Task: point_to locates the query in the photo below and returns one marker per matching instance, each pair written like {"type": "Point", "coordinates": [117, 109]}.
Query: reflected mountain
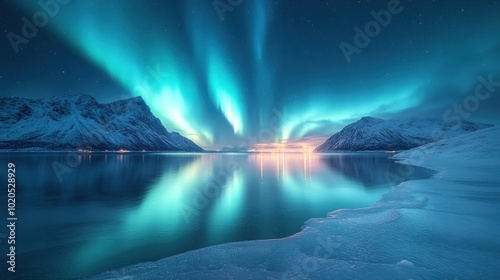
{"type": "Point", "coordinates": [373, 169]}
{"type": "Point", "coordinates": [91, 212]}
{"type": "Point", "coordinates": [79, 177]}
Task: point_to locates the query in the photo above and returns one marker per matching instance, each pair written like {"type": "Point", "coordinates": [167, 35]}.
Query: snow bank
{"type": "Point", "coordinates": [464, 150]}
{"type": "Point", "coordinates": [440, 228]}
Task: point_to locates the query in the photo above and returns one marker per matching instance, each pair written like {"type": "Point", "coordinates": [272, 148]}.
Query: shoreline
{"type": "Point", "coordinates": [412, 232]}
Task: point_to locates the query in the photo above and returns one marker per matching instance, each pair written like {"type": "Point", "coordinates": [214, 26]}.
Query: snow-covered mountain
{"type": "Point", "coordinates": [373, 134]}
{"type": "Point", "coordinates": [79, 122]}
{"type": "Point", "coordinates": [470, 149]}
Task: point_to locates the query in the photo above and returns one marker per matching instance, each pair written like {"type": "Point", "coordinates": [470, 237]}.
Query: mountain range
{"type": "Point", "coordinates": [374, 134]}
{"type": "Point", "coordinates": [79, 122]}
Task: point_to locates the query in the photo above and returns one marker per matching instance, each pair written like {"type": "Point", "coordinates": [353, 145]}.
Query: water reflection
{"type": "Point", "coordinates": [372, 170]}
{"type": "Point", "coordinates": [113, 210]}
{"type": "Point", "coordinates": [86, 177]}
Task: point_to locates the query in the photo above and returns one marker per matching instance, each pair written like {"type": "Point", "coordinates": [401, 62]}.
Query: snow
{"type": "Point", "coordinates": [78, 122]}
{"type": "Point", "coordinates": [467, 150]}
{"type": "Point", "coordinates": [405, 263]}
{"type": "Point", "coordinates": [445, 227]}
{"type": "Point", "coordinates": [374, 134]}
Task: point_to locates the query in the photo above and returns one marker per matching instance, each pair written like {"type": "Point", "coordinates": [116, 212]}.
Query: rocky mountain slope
{"type": "Point", "coordinates": [80, 122]}
{"type": "Point", "coordinates": [374, 134]}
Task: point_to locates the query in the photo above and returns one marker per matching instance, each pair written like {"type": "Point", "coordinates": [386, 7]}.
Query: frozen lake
{"type": "Point", "coordinates": [81, 214]}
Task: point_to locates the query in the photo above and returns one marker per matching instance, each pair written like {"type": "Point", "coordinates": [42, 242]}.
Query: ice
{"type": "Point", "coordinates": [445, 227]}
{"type": "Point", "coordinates": [405, 263]}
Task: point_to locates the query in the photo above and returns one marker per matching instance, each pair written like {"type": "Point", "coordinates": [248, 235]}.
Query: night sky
{"type": "Point", "coordinates": [219, 76]}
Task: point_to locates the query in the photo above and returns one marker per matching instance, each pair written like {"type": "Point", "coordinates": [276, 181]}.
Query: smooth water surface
{"type": "Point", "coordinates": [81, 214]}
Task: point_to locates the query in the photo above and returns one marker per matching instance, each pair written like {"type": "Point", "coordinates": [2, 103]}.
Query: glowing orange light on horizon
{"type": "Point", "coordinates": [305, 145]}
{"type": "Point", "coordinates": [280, 148]}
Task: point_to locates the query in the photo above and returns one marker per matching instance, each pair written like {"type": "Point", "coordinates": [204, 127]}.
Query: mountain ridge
{"type": "Point", "coordinates": [375, 134]}
{"type": "Point", "coordinates": [74, 122]}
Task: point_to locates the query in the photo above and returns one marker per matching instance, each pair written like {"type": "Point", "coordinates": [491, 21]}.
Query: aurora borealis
{"type": "Point", "coordinates": [218, 81]}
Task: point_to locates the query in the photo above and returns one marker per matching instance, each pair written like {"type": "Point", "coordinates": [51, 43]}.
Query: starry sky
{"type": "Point", "coordinates": [236, 72]}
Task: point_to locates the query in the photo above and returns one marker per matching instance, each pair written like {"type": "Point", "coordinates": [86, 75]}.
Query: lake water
{"type": "Point", "coordinates": [81, 214]}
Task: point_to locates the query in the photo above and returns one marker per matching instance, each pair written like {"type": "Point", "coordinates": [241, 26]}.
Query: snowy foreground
{"type": "Point", "coordinates": [446, 227]}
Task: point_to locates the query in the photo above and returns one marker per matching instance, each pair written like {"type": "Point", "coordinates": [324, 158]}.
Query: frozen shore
{"type": "Point", "coordinates": [445, 227]}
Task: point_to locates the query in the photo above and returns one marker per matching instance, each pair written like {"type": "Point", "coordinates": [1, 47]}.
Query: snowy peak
{"type": "Point", "coordinates": [374, 134]}
{"type": "Point", "coordinates": [370, 120]}
{"type": "Point", "coordinates": [80, 122]}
